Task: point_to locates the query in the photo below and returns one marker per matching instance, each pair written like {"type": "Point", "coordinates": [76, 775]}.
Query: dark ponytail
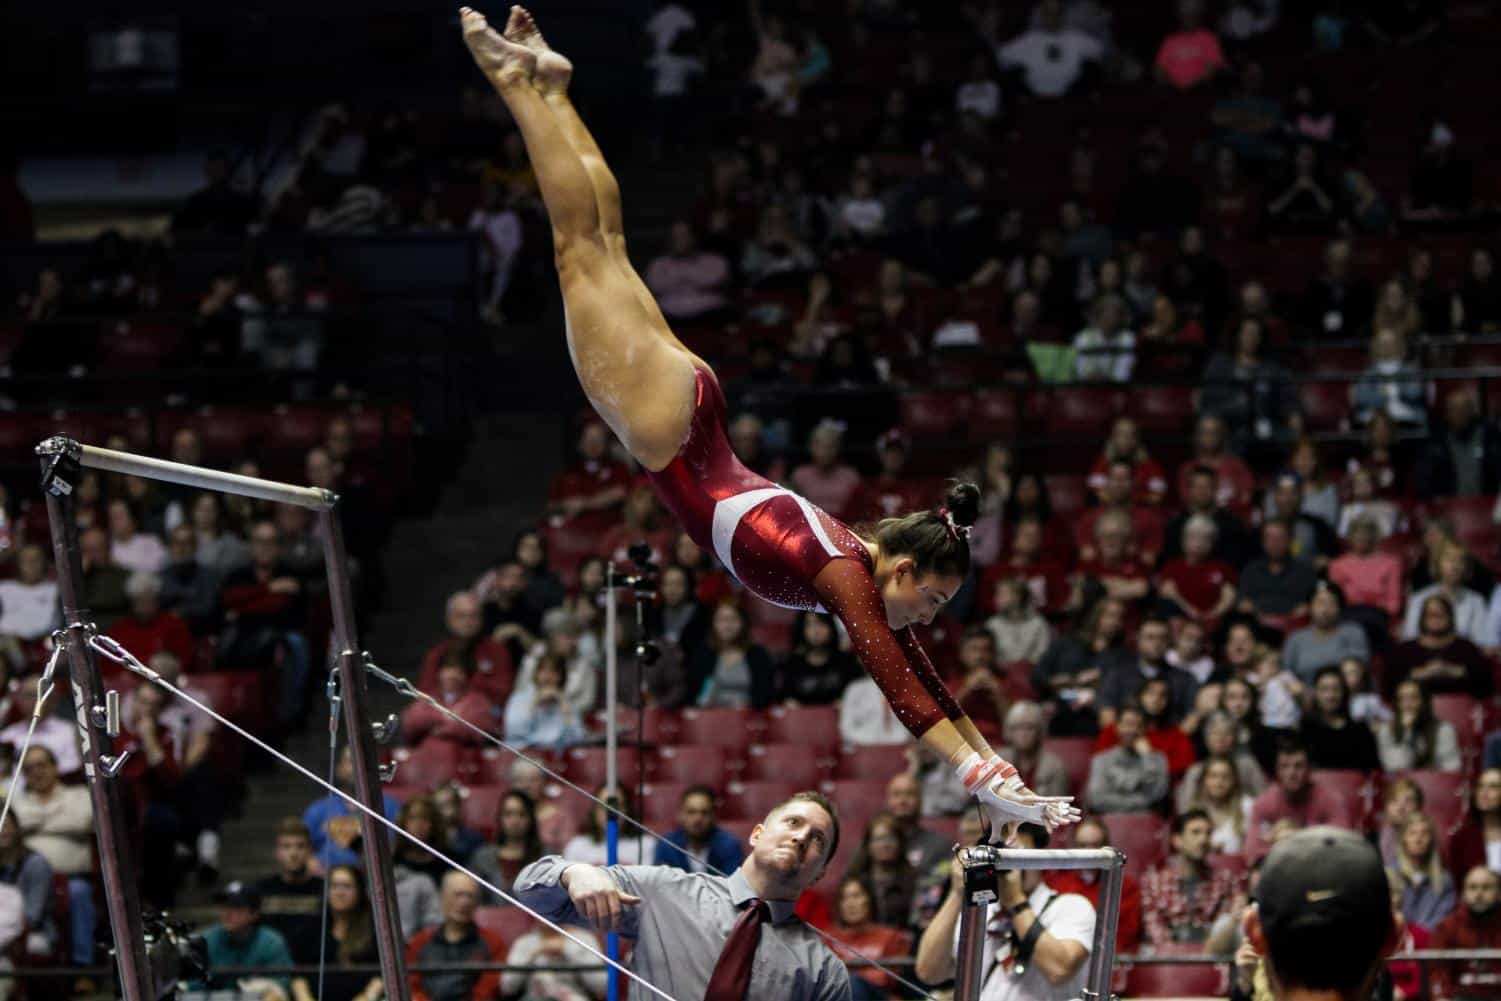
{"type": "Point", "coordinates": [934, 545]}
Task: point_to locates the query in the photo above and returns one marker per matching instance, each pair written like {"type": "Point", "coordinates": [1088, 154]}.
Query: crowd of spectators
{"type": "Point", "coordinates": [1210, 647]}
{"type": "Point", "coordinates": [1216, 644]}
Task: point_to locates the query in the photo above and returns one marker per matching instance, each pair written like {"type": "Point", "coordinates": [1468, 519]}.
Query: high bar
{"type": "Point", "coordinates": [109, 460]}
{"type": "Point", "coordinates": [1044, 858]}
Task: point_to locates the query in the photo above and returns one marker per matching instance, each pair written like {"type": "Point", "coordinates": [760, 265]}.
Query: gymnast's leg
{"type": "Point", "coordinates": [632, 370]}
{"type": "Point", "coordinates": [554, 72]}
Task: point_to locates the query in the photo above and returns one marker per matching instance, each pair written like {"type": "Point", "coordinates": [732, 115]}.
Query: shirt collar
{"type": "Point", "coordinates": [782, 911]}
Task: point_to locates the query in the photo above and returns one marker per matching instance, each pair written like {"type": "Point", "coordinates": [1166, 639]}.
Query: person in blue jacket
{"type": "Point", "coordinates": [698, 844]}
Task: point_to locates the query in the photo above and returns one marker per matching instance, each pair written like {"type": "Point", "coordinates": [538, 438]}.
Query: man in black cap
{"type": "Point", "coordinates": [239, 939]}
{"type": "Point", "coordinates": [1323, 920]}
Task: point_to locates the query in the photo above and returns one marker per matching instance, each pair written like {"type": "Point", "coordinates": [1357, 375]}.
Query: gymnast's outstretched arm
{"type": "Point", "coordinates": [899, 667]}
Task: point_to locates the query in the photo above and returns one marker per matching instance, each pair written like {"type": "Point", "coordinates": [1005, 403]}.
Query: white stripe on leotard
{"type": "Point", "coordinates": [729, 512]}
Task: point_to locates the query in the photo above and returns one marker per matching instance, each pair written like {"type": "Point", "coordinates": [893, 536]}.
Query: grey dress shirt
{"type": "Point", "coordinates": [681, 925]}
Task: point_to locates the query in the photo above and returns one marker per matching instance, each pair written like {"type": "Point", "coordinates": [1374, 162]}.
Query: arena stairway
{"type": "Point", "coordinates": [499, 487]}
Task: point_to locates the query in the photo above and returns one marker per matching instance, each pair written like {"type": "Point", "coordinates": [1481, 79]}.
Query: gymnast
{"type": "Point", "coordinates": [665, 405]}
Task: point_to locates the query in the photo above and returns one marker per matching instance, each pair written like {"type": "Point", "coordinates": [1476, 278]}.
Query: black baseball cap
{"type": "Point", "coordinates": [1324, 880]}
{"type": "Point", "coordinates": [239, 894]}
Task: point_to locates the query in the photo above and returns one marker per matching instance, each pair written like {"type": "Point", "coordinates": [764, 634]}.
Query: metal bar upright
{"type": "Point", "coordinates": [117, 856]}
{"type": "Point", "coordinates": [980, 891]}
{"type": "Point", "coordinates": [612, 767]}
{"type": "Point", "coordinates": [1107, 919]}
{"type": "Point", "coordinates": [367, 781]}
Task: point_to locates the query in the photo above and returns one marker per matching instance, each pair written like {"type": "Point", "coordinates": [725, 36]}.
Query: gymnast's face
{"type": "Point", "coordinates": [911, 596]}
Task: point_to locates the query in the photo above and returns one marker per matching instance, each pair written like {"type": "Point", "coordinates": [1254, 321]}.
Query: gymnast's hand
{"type": "Point", "coordinates": [596, 897]}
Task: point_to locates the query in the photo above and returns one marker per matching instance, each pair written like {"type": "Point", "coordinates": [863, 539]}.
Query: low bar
{"type": "Point", "coordinates": [109, 460]}
{"type": "Point", "coordinates": [1053, 858]}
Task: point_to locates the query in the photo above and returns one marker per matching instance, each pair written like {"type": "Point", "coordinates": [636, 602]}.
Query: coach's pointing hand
{"type": "Point", "coordinates": [596, 897]}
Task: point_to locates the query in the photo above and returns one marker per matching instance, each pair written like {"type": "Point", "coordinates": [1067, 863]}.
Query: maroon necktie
{"type": "Point", "coordinates": [732, 974]}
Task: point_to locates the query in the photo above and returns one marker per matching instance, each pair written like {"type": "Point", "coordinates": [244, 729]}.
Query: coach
{"type": "Point", "coordinates": [720, 938]}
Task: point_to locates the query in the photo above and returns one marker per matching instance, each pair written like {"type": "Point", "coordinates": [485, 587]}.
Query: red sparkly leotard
{"type": "Point", "coordinates": [778, 544]}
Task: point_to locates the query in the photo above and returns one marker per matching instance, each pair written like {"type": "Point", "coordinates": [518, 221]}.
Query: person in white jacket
{"type": "Point", "coordinates": [544, 947]}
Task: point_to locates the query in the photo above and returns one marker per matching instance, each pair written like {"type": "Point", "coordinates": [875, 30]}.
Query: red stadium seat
{"type": "Point", "coordinates": [812, 726]}
{"type": "Point", "coordinates": [858, 800]}
{"type": "Point", "coordinates": [754, 800]}
{"type": "Point", "coordinates": [1446, 797]}
{"type": "Point", "coordinates": [402, 793]}
{"type": "Point", "coordinates": [292, 429]}
{"type": "Point", "coordinates": [740, 829]}
{"type": "Point", "coordinates": [1325, 405]}
{"type": "Point", "coordinates": [1471, 517]}
{"type": "Point", "coordinates": [510, 923]}
{"type": "Point", "coordinates": [1016, 679]}
{"type": "Point", "coordinates": [1358, 789]}
{"type": "Point", "coordinates": [140, 345]}
{"type": "Point", "coordinates": [239, 695]}
{"type": "Point", "coordinates": [1083, 410]}
{"type": "Point", "coordinates": [432, 763]}
{"type": "Point", "coordinates": [876, 762]}
{"type": "Point", "coordinates": [1467, 717]}
{"type": "Point", "coordinates": [492, 766]}
{"type": "Point", "coordinates": [708, 766]}
{"type": "Point", "coordinates": [1162, 409]}
{"type": "Point", "coordinates": [1142, 836]}
{"type": "Point", "coordinates": [994, 414]}
{"type": "Point", "coordinates": [480, 808]}
{"type": "Point", "coordinates": [721, 727]}
{"type": "Point", "coordinates": [569, 544]}
{"type": "Point", "coordinates": [794, 763]}
{"type": "Point", "coordinates": [586, 766]}
{"type": "Point", "coordinates": [1178, 980]}
{"type": "Point", "coordinates": [659, 804]}
{"type": "Point", "coordinates": [1075, 753]}
{"type": "Point", "coordinates": [933, 415]}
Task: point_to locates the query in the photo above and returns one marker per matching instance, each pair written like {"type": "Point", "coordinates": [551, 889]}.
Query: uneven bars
{"type": "Point", "coordinates": [109, 460]}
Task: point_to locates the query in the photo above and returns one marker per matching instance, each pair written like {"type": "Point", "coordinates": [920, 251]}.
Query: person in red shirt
{"type": "Point", "coordinates": [1045, 578]}
{"type": "Point", "coordinates": [422, 722]}
{"type": "Point", "coordinates": [893, 491]}
{"type": "Point", "coordinates": [1112, 564]}
{"type": "Point", "coordinates": [593, 488]}
{"type": "Point", "coordinates": [1475, 924]}
{"type": "Point", "coordinates": [1149, 483]}
{"type": "Point", "coordinates": [642, 521]}
{"type": "Point", "coordinates": [1198, 586]}
{"type": "Point", "coordinates": [492, 671]}
{"type": "Point", "coordinates": [857, 932]}
{"type": "Point", "coordinates": [1235, 482]}
{"type": "Point", "coordinates": [1293, 801]}
{"type": "Point", "coordinates": [1092, 833]}
{"type": "Point", "coordinates": [1371, 579]}
{"type": "Point", "coordinates": [980, 692]}
{"type": "Point", "coordinates": [1116, 495]}
{"type": "Point", "coordinates": [457, 940]}
{"type": "Point", "coordinates": [826, 479]}
{"type": "Point", "coordinates": [1160, 728]}
{"type": "Point", "coordinates": [148, 630]}
{"type": "Point", "coordinates": [1190, 56]}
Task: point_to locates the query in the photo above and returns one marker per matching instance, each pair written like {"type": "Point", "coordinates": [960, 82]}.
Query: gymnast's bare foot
{"type": "Point", "coordinates": [505, 63]}
{"type": "Point", "coordinates": [553, 69]}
